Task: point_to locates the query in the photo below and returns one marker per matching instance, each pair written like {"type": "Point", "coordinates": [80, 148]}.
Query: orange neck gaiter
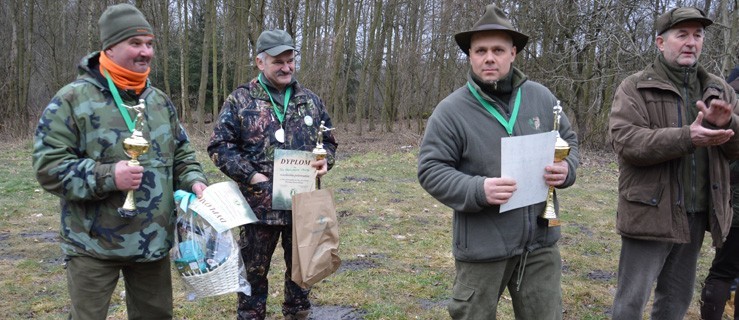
{"type": "Point", "coordinates": [122, 77]}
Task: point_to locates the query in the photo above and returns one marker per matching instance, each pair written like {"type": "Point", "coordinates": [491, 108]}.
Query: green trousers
{"type": "Point", "coordinates": [533, 281]}
{"type": "Point", "coordinates": [91, 283]}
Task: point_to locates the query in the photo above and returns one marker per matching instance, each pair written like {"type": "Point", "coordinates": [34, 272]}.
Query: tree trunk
{"type": "Point", "coordinates": [214, 32]}
{"type": "Point", "coordinates": [370, 69]}
{"type": "Point", "coordinates": [389, 110]}
{"type": "Point", "coordinates": [163, 55]}
{"type": "Point", "coordinates": [204, 56]}
{"type": "Point", "coordinates": [347, 95]}
{"type": "Point", "coordinates": [338, 58]}
{"type": "Point", "coordinates": [182, 6]}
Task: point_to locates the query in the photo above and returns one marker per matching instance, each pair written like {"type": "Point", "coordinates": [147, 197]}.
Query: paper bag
{"type": "Point", "coordinates": [315, 237]}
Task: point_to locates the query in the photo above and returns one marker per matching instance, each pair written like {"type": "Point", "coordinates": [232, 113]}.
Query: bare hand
{"type": "Point", "coordinates": [257, 178]}
{"type": "Point", "coordinates": [717, 114]}
{"type": "Point", "coordinates": [127, 177]}
{"type": "Point", "coordinates": [499, 190]}
{"type": "Point", "coordinates": [704, 137]}
{"type": "Point", "coordinates": [321, 167]}
{"type": "Point", "coordinates": [198, 189]}
{"type": "Point", "coordinates": [556, 173]}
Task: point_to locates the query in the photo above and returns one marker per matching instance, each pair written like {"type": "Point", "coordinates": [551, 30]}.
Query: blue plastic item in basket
{"type": "Point", "coordinates": [191, 255]}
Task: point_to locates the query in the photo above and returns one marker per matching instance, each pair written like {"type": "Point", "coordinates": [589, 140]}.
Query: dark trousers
{"type": "Point", "coordinates": [258, 243]}
{"type": "Point", "coordinates": [533, 281]}
{"type": "Point", "coordinates": [724, 270]}
{"type": "Point", "coordinates": [671, 265]}
{"type": "Point", "coordinates": [91, 283]}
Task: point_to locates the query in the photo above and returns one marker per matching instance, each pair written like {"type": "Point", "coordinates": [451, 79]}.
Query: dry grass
{"type": "Point", "coordinates": [395, 240]}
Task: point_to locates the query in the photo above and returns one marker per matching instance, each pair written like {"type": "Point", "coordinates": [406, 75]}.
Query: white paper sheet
{"type": "Point", "coordinates": [223, 206]}
{"type": "Point", "coordinates": [524, 158]}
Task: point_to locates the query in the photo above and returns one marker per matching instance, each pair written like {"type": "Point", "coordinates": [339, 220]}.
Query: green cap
{"type": "Point", "coordinates": [274, 42]}
{"type": "Point", "coordinates": [670, 18]}
{"type": "Point", "coordinates": [120, 22]}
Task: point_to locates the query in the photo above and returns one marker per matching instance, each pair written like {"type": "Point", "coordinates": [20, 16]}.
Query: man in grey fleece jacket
{"type": "Point", "coordinates": [459, 164]}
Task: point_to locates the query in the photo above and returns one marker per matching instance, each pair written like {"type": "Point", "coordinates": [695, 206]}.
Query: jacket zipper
{"type": "Point", "coordinates": [530, 228]}
{"type": "Point", "coordinates": [692, 177]}
{"type": "Point", "coordinates": [680, 163]}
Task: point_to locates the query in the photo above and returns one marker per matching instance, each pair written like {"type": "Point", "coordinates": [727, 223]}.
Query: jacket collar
{"type": "Point", "coordinates": [505, 86]}
{"type": "Point", "coordinates": [652, 78]}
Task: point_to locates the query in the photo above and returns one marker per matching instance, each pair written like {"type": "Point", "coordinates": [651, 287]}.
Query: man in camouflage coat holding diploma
{"type": "Point", "coordinates": [272, 111]}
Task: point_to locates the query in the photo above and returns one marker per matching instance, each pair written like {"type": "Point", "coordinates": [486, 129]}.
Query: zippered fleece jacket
{"type": "Point", "coordinates": [650, 134]}
{"type": "Point", "coordinates": [78, 141]}
{"type": "Point", "coordinates": [461, 147]}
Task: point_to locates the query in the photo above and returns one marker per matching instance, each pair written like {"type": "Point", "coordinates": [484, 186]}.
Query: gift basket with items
{"type": "Point", "coordinates": [205, 252]}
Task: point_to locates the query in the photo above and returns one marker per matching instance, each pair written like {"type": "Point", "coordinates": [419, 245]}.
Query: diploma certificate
{"type": "Point", "coordinates": [293, 174]}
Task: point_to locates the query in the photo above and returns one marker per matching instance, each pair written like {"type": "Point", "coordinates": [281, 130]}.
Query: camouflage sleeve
{"type": "Point", "coordinates": [59, 162]}
{"type": "Point", "coordinates": [224, 147]}
{"type": "Point", "coordinates": [187, 170]}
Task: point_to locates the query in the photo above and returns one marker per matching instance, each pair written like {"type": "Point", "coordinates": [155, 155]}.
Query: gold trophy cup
{"type": "Point", "coordinates": [319, 151]}
{"type": "Point", "coordinates": [134, 146]}
{"type": "Point", "coordinates": [561, 151]}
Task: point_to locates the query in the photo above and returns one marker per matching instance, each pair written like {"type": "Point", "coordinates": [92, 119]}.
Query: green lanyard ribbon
{"type": "Point", "coordinates": [119, 102]}
{"type": "Point", "coordinates": [280, 113]}
{"type": "Point", "coordinates": [508, 125]}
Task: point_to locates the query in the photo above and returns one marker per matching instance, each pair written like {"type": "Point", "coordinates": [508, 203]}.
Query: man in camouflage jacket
{"type": "Point", "coordinates": [78, 155]}
{"type": "Point", "coordinates": [272, 111]}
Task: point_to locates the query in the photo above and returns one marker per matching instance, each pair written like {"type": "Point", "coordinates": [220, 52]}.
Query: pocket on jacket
{"type": "Point", "coordinates": [640, 213]}
{"type": "Point", "coordinates": [646, 194]}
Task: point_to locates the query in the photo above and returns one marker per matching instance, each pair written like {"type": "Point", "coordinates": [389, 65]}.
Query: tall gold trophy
{"type": "Point", "coordinates": [561, 151]}
{"type": "Point", "coordinates": [134, 146]}
{"type": "Point", "coordinates": [319, 151]}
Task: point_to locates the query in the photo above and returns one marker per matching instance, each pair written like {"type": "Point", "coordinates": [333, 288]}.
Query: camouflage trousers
{"type": "Point", "coordinates": [258, 243]}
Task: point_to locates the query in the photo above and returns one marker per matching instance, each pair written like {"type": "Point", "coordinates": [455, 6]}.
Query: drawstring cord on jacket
{"type": "Point", "coordinates": [521, 269]}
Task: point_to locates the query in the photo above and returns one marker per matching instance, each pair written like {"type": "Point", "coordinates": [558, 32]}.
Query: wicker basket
{"type": "Point", "coordinates": [222, 279]}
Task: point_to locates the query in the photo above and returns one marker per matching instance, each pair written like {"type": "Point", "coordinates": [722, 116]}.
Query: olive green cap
{"type": "Point", "coordinates": [120, 22]}
{"type": "Point", "coordinates": [274, 42]}
{"type": "Point", "coordinates": [670, 18]}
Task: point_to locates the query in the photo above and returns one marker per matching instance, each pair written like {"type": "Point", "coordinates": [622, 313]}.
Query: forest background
{"type": "Point", "coordinates": [378, 63]}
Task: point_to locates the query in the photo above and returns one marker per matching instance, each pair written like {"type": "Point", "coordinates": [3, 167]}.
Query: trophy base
{"type": "Point", "coordinates": [554, 222]}
{"type": "Point", "coordinates": [126, 213]}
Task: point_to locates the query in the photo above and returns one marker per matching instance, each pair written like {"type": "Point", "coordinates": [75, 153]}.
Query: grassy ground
{"type": "Point", "coordinates": [395, 241]}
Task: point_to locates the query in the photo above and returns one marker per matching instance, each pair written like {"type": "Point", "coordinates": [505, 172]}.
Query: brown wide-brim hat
{"type": "Point", "coordinates": [493, 19]}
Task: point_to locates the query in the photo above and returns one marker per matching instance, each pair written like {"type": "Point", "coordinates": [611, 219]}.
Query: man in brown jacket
{"type": "Point", "coordinates": [672, 126]}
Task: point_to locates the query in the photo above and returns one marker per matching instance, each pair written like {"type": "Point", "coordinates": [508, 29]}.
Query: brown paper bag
{"type": "Point", "coordinates": [315, 237]}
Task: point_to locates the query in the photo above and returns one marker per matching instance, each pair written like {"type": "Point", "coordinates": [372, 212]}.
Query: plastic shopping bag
{"type": "Point", "coordinates": [208, 261]}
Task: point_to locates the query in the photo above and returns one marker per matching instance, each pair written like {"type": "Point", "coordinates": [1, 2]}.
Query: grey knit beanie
{"type": "Point", "coordinates": [120, 22]}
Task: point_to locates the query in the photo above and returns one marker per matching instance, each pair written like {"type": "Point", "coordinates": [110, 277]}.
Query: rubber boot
{"type": "Point", "coordinates": [301, 315]}
{"type": "Point", "coordinates": [713, 299]}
